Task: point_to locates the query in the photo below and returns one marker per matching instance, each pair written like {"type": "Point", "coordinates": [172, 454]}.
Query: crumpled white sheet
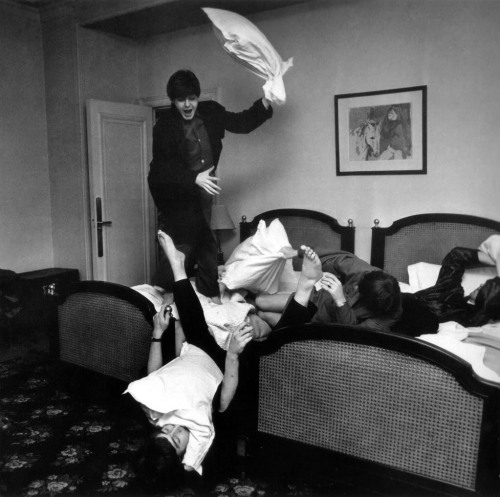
{"type": "Point", "coordinates": [246, 44]}
{"type": "Point", "coordinates": [222, 319]}
{"type": "Point", "coordinates": [451, 336]}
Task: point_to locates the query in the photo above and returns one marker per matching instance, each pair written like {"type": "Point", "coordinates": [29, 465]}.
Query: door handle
{"type": "Point", "coordinates": [100, 223]}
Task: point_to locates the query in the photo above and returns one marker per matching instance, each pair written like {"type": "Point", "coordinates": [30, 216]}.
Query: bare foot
{"type": "Point", "coordinates": [311, 266]}
{"type": "Point", "coordinates": [174, 256]}
{"type": "Point", "coordinates": [310, 274]}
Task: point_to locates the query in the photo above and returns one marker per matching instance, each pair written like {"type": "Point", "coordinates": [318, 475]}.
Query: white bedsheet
{"type": "Point", "coordinates": [480, 346]}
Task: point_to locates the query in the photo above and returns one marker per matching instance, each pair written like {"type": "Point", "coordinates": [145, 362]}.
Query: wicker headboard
{"type": "Point", "coordinates": [426, 238]}
{"type": "Point", "coordinates": [106, 327]}
{"type": "Point", "coordinates": [305, 227]}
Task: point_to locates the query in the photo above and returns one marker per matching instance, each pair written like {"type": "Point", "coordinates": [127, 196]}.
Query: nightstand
{"type": "Point", "coordinates": [40, 292]}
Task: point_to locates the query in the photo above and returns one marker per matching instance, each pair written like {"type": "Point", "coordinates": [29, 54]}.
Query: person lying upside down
{"type": "Point", "coordinates": [178, 398]}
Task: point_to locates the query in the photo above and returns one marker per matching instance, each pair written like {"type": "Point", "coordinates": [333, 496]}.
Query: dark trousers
{"type": "Point", "coordinates": [199, 246]}
{"type": "Point", "coordinates": [295, 313]}
{"type": "Point", "coordinates": [446, 298]}
{"type": "Point", "coordinates": [193, 322]}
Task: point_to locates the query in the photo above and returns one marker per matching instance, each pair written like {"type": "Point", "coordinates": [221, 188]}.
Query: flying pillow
{"type": "Point", "coordinates": [246, 44]}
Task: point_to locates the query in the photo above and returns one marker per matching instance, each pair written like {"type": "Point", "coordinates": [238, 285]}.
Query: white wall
{"type": "Point", "coordinates": [347, 47]}
{"type": "Point", "coordinates": [25, 216]}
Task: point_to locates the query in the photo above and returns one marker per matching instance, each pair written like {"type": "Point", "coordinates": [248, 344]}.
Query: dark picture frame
{"type": "Point", "coordinates": [381, 132]}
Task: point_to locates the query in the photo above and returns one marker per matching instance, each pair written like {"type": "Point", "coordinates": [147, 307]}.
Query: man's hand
{"type": "Point", "coordinates": [241, 336]}
{"type": "Point", "coordinates": [161, 320]}
{"type": "Point", "coordinates": [207, 182]}
{"type": "Point", "coordinates": [333, 286]}
{"type": "Point", "coordinates": [260, 329]}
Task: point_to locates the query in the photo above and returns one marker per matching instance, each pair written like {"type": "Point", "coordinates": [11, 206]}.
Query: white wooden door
{"type": "Point", "coordinates": [122, 210]}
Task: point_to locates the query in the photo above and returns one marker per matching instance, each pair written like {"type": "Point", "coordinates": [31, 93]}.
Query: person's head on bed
{"type": "Point", "coordinates": [380, 292]}
{"type": "Point", "coordinates": [160, 465]}
{"type": "Point", "coordinates": [486, 303]}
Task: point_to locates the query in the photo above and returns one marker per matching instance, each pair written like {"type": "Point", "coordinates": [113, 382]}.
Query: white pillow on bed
{"type": "Point", "coordinates": [424, 275]}
{"type": "Point", "coordinates": [257, 264]}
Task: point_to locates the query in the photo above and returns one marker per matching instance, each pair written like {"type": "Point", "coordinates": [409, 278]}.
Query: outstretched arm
{"type": "Point", "coordinates": [160, 320]}
{"type": "Point", "coordinates": [240, 338]}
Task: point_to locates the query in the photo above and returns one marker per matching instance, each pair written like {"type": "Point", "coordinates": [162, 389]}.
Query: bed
{"type": "Point", "coordinates": [381, 409]}
{"type": "Point", "coordinates": [106, 327]}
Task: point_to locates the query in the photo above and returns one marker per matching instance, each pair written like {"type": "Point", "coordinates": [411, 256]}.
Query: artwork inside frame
{"type": "Point", "coordinates": [381, 132]}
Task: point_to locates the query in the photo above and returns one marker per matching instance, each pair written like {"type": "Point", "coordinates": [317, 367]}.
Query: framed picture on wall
{"type": "Point", "coordinates": [381, 132]}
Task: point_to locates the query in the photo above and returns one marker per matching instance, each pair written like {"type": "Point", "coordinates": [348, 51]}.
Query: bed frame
{"type": "Point", "coordinates": [380, 410]}
{"type": "Point", "coordinates": [425, 238]}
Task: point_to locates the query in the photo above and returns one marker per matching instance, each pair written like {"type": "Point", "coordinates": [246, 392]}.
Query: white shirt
{"type": "Point", "coordinates": [181, 392]}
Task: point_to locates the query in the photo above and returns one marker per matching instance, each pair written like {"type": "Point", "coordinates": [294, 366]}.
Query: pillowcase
{"type": "Point", "coordinates": [424, 275]}
{"type": "Point", "coordinates": [247, 45]}
{"type": "Point", "coordinates": [257, 263]}
{"type": "Point", "coordinates": [491, 247]}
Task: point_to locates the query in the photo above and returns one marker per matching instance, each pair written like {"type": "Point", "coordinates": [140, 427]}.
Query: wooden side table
{"type": "Point", "coordinates": [40, 292]}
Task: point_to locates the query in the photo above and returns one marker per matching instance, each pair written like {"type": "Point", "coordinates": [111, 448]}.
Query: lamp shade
{"type": "Point", "coordinates": [221, 220]}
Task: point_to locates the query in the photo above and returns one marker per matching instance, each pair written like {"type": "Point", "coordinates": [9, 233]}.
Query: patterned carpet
{"type": "Point", "coordinates": [74, 433]}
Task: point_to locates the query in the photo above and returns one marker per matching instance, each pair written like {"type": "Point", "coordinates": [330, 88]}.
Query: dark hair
{"type": "Point", "coordinates": [380, 292]}
{"type": "Point", "coordinates": [487, 303]}
{"type": "Point", "coordinates": [183, 83]}
{"type": "Point", "coordinates": [159, 467]}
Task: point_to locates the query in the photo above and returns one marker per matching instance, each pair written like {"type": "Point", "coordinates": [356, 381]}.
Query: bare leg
{"type": "Point", "coordinates": [299, 310]}
{"type": "Point", "coordinates": [310, 274]}
{"type": "Point", "coordinates": [272, 303]}
{"type": "Point", "coordinates": [270, 318]}
{"type": "Point", "coordinates": [174, 256]}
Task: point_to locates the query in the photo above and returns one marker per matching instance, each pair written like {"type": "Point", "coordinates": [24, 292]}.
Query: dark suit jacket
{"type": "Point", "coordinates": [171, 182]}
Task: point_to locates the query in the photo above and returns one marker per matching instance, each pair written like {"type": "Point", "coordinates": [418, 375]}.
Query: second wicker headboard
{"type": "Point", "coordinates": [426, 238]}
{"type": "Point", "coordinates": [305, 227]}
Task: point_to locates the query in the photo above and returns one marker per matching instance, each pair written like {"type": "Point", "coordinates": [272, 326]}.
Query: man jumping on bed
{"type": "Point", "coordinates": [187, 144]}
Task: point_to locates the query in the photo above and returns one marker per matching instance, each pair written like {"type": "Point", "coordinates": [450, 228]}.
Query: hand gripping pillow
{"type": "Point", "coordinates": [246, 44]}
{"type": "Point", "coordinates": [256, 265]}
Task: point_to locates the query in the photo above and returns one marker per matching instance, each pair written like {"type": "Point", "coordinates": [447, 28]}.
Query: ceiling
{"type": "Point", "coordinates": [165, 17]}
{"type": "Point", "coordinates": [178, 14]}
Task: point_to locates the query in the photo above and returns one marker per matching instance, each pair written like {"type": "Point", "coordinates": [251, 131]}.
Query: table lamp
{"type": "Point", "coordinates": [221, 220]}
